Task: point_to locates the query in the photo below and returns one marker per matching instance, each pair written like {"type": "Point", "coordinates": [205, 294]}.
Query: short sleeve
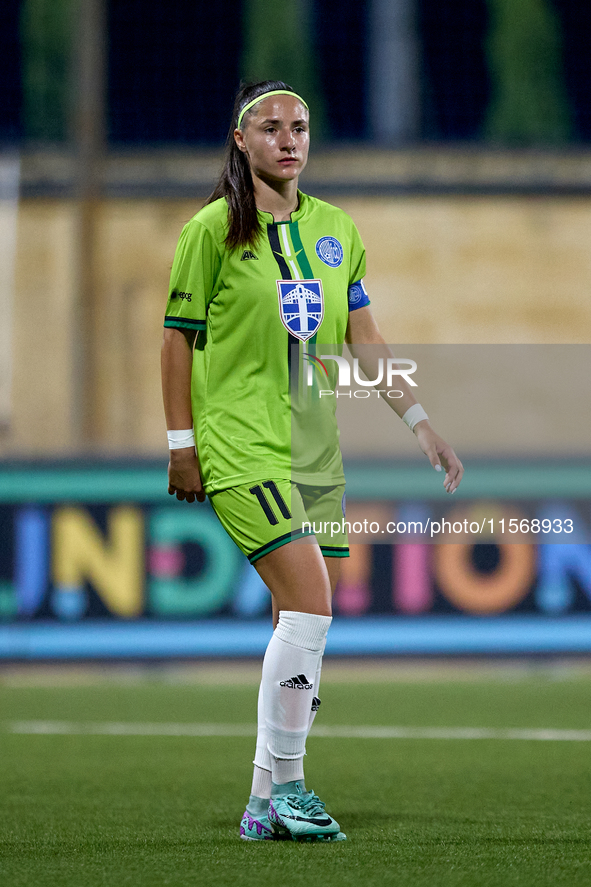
{"type": "Point", "coordinates": [193, 278]}
{"type": "Point", "coordinates": [356, 257]}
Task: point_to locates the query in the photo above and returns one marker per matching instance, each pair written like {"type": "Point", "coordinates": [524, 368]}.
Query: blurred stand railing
{"type": "Point", "coordinates": [336, 169]}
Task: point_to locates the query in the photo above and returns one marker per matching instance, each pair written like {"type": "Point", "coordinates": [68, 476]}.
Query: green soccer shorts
{"type": "Point", "coordinates": [264, 515]}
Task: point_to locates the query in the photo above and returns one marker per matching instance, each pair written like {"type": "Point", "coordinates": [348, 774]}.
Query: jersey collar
{"type": "Point", "coordinates": [296, 215]}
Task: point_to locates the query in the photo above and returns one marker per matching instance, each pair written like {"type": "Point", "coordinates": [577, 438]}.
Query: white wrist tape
{"type": "Point", "coordinates": [414, 414]}
{"type": "Point", "coordinates": [179, 439]}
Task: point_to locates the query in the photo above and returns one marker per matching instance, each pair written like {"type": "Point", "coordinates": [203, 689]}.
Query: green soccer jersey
{"type": "Point", "coordinates": [260, 312]}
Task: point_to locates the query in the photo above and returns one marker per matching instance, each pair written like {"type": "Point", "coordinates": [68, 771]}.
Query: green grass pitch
{"type": "Point", "coordinates": [84, 810]}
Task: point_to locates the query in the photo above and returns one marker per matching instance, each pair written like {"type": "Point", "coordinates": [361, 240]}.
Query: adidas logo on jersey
{"type": "Point", "coordinates": [300, 682]}
{"type": "Point", "coordinates": [248, 255]}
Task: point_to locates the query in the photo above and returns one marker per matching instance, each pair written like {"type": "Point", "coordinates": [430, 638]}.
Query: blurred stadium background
{"type": "Point", "coordinates": [457, 135]}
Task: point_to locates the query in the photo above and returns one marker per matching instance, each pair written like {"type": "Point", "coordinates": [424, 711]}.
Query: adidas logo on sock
{"type": "Point", "coordinates": [316, 702]}
{"type": "Point", "coordinates": [300, 682]}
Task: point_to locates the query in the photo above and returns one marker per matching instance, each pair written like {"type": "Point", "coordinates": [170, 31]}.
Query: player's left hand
{"type": "Point", "coordinates": [440, 455]}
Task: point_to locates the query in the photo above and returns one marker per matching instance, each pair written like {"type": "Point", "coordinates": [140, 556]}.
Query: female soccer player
{"type": "Point", "coordinates": [262, 274]}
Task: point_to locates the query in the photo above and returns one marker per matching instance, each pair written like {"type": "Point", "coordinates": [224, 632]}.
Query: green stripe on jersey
{"type": "Point", "coordinates": [300, 252]}
{"type": "Point", "coordinates": [277, 543]}
{"type": "Point", "coordinates": [288, 251]}
{"type": "Point", "coordinates": [184, 323]}
{"type": "Point", "coordinates": [293, 251]}
{"type": "Point", "coordinates": [333, 551]}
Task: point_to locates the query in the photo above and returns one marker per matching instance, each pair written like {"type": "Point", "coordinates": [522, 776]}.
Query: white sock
{"type": "Point", "coordinates": [289, 671]}
{"type": "Point", "coordinates": [261, 777]}
{"type": "Point", "coordinates": [261, 783]}
{"type": "Point", "coordinates": [286, 770]}
{"type": "Point", "coordinates": [316, 699]}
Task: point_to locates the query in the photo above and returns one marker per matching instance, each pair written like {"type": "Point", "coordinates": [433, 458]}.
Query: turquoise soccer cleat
{"type": "Point", "coordinates": [318, 839]}
{"type": "Point", "coordinates": [260, 829]}
{"type": "Point", "coordinates": [256, 828]}
{"type": "Point", "coordinates": [302, 815]}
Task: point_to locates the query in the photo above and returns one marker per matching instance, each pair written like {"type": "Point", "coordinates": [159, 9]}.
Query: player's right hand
{"type": "Point", "coordinates": [184, 475]}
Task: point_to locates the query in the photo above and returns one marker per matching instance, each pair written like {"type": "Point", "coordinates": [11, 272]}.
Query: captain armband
{"type": "Point", "coordinates": [358, 297]}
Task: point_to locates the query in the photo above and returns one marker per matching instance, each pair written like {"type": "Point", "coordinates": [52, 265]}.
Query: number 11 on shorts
{"type": "Point", "coordinates": [264, 502]}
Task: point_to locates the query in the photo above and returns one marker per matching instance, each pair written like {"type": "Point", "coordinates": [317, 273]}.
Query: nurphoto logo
{"type": "Point", "coordinates": [387, 371]}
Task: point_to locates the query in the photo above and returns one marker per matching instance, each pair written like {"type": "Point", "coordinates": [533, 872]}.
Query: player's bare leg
{"type": "Point", "coordinates": [333, 568]}
{"type": "Point", "coordinates": [297, 577]}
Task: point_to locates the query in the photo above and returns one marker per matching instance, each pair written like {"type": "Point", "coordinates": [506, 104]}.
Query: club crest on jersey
{"type": "Point", "coordinates": [330, 251]}
{"type": "Point", "coordinates": [301, 306]}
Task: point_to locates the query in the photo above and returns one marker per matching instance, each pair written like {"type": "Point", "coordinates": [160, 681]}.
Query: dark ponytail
{"type": "Point", "coordinates": [235, 182]}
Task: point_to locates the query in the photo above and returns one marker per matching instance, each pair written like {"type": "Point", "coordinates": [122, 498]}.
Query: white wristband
{"type": "Point", "coordinates": [414, 414]}
{"type": "Point", "coordinates": [179, 439]}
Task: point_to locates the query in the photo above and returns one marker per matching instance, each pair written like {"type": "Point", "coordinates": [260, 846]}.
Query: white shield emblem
{"type": "Point", "coordinates": [301, 306]}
